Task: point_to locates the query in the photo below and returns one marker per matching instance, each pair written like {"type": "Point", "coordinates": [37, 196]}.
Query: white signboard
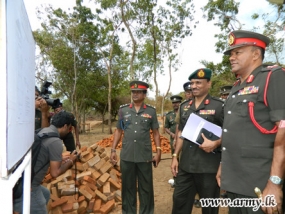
{"type": "Point", "coordinates": [17, 84]}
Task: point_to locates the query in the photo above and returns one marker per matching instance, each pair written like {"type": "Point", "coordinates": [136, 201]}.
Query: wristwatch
{"type": "Point", "coordinates": [276, 180]}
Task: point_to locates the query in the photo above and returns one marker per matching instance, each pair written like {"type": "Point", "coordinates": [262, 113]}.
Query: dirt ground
{"type": "Point", "coordinates": [162, 190]}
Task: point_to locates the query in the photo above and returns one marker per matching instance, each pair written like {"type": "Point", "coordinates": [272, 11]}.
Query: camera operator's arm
{"type": "Point", "coordinates": [57, 167]}
{"type": "Point", "coordinates": [45, 113]}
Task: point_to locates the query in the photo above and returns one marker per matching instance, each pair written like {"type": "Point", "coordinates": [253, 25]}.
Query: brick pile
{"type": "Point", "coordinates": [96, 189]}
{"type": "Point", "coordinates": [164, 143]}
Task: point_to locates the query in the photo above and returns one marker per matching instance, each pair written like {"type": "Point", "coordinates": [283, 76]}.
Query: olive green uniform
{"type": "Point", "coordinates": [247, 152]}
{"type": "Point", "coordinates": [136, 157]}
{"type": "Point", "coordinates": [197, 169]}
{"type": "Point", "coordinates": [171, 125]}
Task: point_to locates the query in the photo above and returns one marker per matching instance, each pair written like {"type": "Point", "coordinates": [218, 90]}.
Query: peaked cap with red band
{"type": "Point", "coordinates": [138, 85]}
{"type": "Point", "coordinates": [240, 38]}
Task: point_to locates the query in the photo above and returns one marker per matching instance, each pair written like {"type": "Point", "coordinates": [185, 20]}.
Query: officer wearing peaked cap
{"type": "Point", "coordinates": [196, 172]}
{"type": "Point", "coordinates": [253, 137]}
{"type": "Point", "coordinates": [170, 124]}
{"type": "Point", "coordinates": [136, 120]}
{"type": "Point", "coordinates": [225, 91]}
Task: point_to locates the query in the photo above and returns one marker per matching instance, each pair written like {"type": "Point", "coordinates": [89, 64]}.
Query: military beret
{"type": "Point", "coordinates": [240, 38]}
{"type": "Point", "coordinates": [187, 86]}
{"type": "Point", "coordinates": [225, 89]}
{"type": "Point", "coordinates": [175, 98]}
{"type": "Point", "coordinates": [138, 85]}
{"type": "Point", "coordinates": [202, 73]}
{"type": "Point", "coordinates": [57, 105]}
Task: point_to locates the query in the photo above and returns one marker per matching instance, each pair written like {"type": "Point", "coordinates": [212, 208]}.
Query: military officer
{"type": "Point", "coordinates": [188, 95]}
{"type": "Point", "coordinates": [136, 120]}
{"type": "Point", "coordinates": [253, 139]}
{"type": "Point", "coordinates": [198, 164]}
{"type": "Point", "coordinates": [170, 124]}
{"type": "Point", "coordinates": [224, 92]}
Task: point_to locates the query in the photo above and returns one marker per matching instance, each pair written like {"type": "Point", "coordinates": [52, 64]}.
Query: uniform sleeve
{"type": "Point", "coordinates": [154, 124]}
{"type": "Point", "coordinates": [55, 150]}
{"type": "Point", "coordinates": [166, 123]}
{"type": "Point", "coordinates": [276, 95]}
{"type": "Point", "coordinates": [120, 119]}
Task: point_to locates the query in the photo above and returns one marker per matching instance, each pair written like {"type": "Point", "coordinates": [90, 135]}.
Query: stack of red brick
{"type": "Point", "coordinates": [164, 143]}
{"type": "Point", "coordinates": [93, 185]}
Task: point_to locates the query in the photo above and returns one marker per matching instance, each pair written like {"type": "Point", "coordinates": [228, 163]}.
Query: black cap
{"type": "Point", "coordinates": [176, 98]}
{"type": "Point", "coordinates": [240, 38]}
{"type": "Point", "coordinates": [138, 85]}
{"type": "Point", "coordinates": [57, 105]}
{"type": "Point", "coordinates": [225, 89]}
{"type": "Point", "coordinates": [186, 86]}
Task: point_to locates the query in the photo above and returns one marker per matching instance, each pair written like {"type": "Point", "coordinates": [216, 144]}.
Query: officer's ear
{"type": "Point", "coordinates": [256, 52]}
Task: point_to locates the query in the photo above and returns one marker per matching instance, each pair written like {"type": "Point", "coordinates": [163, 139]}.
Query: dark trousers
{"type": "Point", "coordinates": [243, 209]}
{"type": "Point", "coordinates": [69, 142]}
{"type": "Point", "coordinates": [137, 175]}
{"type": "Point", "coordinates": [187, 185]}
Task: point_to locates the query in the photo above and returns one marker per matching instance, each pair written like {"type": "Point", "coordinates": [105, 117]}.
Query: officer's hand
{"type": "Point", "coordinates": [174, 166]}
{"type": "Point", "coordinates": [113, 158]}
{"type": "Point", "coordinates": [218, 175]}
{"type": "Point", "coordinates": [156, 159]}
{"type": "Point", "coordinates": [172, 135]}
{"type": "Point", "coordinates": [208, 145]}
{"type": "Point", "coordinates": [275, 192]}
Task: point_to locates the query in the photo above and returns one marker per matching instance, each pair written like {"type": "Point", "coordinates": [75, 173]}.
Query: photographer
{"type": "Point", "coordinates": [68, 140]}
{"type": "Point", "coordinates": [50, 155]}
{"type": "Point", "coordinates": [41, 111]}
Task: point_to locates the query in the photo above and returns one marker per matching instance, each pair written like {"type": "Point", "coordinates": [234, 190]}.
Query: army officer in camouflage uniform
{"type": "Point", "coordinates": [196, 172]}
{"type": "Point", "coordinates": [136, 120]}
{"type": "Point", "coordinates": [253, 139]}
{"type": "Point", "coordinates": [170, 124]}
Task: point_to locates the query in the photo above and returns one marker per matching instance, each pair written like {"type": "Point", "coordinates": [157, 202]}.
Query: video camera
{"type": "Point", "coordinates": [44, 93]}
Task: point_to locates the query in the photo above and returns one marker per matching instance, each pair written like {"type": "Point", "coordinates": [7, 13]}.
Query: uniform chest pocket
{"type": "Point", "coordinates": [145, 122]}
{"type": "Point", "coordinates": [184, 116]}
{"type": "Point", "coordinates": [209, 117]}
{"type": "Point", "coordinates": [242, 106]}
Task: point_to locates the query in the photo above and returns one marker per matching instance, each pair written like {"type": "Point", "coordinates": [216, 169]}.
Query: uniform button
{"type": "Point", "coordinates": [244, 101]}
{"type": "Point", "coordinates": [136, 122]}
{"type": "Point", "coordinates": [135, 131]}
{"type": "Point", "coordinates": [224, 149]}
{"type": "Point", "coordinates": [136, 114]}
{"type": "Point", "coordinates": [225, 130]}
{"type": "Point", "coordinates": [135, 140]}
{"type": "Point", "coordinates": [233, 96]}
{"type": "Point", "coordinates": [229, 112]}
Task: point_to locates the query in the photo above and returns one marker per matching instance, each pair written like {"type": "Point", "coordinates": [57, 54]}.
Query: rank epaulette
{"type": "Point", "coordinates": [150, 106]}
{"type": "Point", "coordinates": [184, 102]}
{"type": "Point", "coordinates": [169, 112]}
{"type": "Point", "coordinates": [218, 99]}
{"type": "Point", "coordinates": [124, 105]}
{"type": "Point", "coordinates": [270, 68]}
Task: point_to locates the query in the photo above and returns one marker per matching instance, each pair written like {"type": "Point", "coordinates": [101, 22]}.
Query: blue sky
{"type": "Point", "coordinates": [200, 46]}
